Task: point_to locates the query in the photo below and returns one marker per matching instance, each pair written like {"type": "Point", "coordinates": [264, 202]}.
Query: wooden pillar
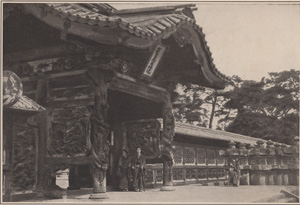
{"type": "Point", "coordinates": [98, 142]}
{"type": "Point", "coordinates": [43, 131]}
{"type": "Point", "coordinates": [167, 137]}
{"type": "Point", "coordinates": [7, 160]}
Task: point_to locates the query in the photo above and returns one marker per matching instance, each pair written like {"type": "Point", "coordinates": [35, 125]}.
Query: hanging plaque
{"type": "Point", "coordinates": [152, 64]}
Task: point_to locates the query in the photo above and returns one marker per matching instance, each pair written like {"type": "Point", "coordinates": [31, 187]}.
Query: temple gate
{"type": "Point", "coordinates": [104, 76]}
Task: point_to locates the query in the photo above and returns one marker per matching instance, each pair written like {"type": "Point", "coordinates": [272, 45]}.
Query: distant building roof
{"type": "Point", "coordinates": [202, 132]}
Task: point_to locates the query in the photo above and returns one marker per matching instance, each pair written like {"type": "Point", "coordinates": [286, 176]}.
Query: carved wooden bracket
{"type": "Point", "coordinates": [182, 38]}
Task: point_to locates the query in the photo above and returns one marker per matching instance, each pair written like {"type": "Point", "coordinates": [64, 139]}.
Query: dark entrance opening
{"type": "Point", "coordinates": [123, 107]}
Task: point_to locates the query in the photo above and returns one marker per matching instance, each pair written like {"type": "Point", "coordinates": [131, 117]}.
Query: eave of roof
{"type": "Point", "coordinates": [202, 132]}
{"type": "Point", "coordinates": [148, 27]}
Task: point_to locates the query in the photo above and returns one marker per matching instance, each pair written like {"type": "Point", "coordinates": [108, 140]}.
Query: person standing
{"type": "Point", "coordinates": [138, 167]}
{"type": "Point", "coordinates": [123, 171]}
{"type": "Point", "coordinates": [234, 172]}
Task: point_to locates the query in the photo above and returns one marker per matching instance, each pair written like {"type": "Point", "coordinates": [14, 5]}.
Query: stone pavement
{"type": "Point", "coordinates": [193, 193]}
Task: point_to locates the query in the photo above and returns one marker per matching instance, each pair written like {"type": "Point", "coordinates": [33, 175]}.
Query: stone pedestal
{"type": "Point", "coordinates": [279, 178]}
{"type": "Point", "coordinates": [285, 178]}
{"type": "Point", "coordinates": [270, 177]}
{"type": "Point", "coordinates": [261, 178]}
{"type": "Point", "coordinates": [254, 178]}
{"type": "Point", "coordinates": [245, 177]}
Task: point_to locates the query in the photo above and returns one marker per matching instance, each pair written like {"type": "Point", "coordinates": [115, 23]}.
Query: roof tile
{"type": "Point", "coordinates": [150, 26]}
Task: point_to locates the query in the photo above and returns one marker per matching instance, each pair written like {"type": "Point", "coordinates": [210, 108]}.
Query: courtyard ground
{"type": "Point", "coordinates": [193, 193]}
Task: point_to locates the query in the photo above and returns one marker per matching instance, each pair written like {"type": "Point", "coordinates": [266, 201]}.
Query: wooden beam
{"type": "Point", "coordinates": [137, 89]}
{"type": "Point", "coordinates": [55, 75]}
{"type": "Point", "coordinates": [68, 160]}
{"type": "Point", "coordinates": [74, 87]}
{"type": "Point", "coordinates": [70, 102]}
{"type": "Point", "coordinates": [73, 98]}
{"type": "Point", "coordinates": [40, 53]}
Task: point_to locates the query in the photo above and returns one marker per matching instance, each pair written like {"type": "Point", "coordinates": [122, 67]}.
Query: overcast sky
{"type": "Point", "coordinates": [247, 39]}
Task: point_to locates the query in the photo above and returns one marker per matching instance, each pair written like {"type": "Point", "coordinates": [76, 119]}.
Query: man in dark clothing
{"type": "Point", "coordinates": [138, 166]}
{"type": "Point", "coordinates": [234, 172]}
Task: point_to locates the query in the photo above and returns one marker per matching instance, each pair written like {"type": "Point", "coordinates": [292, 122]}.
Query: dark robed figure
{"type": "Point", "coordinates": [234, 172]}
{"type": "Point", "coordinates": [124, 171]}
{"type": "Point", "coordinates": [138, 167]}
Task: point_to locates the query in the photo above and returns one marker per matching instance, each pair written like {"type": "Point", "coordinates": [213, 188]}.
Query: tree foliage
{"type": "Point", "coordinates": [267, 109]}
{"type": "Point", "coordinates": [191, 107]}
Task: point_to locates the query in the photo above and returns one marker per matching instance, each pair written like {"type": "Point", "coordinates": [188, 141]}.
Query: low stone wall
{"type": "Point", "coordinates": [266, 163]}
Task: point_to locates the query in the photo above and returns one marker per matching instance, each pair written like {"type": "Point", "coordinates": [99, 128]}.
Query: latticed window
{"type": "Point", "coordinates": [189, 155]}
{"type": "Point", "coordinates": [201, 156]}
{"type": "Point", "coordinates": [211, 156]}
{"type": "Point", "coordinates": [178, 154]}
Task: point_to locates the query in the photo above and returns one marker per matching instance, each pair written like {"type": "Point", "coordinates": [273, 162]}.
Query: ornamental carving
{"type": "Point", "coordinates": [144, 133]}
{"type": "Point", "coordinates": [69, 131]}
{"type": "Point", "coordinates": [24, 155]}
{"type": "Point", "coordinates": [124, 67]}
{"type": "Point", "coordinates": [182, 39]}
{"type": "Point", "coordinates": [52, 65]}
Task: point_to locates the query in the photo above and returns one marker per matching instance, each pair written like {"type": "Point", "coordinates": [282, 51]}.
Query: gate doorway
{"type": "Point", "coordinates": [124, 110]}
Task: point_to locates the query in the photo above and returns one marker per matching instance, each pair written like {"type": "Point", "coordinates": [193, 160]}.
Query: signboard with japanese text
{"type": "Point", "coordinates": [152, 64]}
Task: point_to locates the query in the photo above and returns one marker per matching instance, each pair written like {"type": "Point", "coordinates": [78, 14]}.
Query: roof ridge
{"type": "Point", "coordinates": [151, 9]}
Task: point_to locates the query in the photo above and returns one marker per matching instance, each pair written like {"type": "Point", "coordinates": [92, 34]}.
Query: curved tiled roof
{"type": "Point", "coordinates": [149, 26]}
{"type": "Point", "coordinates": [202, 132]}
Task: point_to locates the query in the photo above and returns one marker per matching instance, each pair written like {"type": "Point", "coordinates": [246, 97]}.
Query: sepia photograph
{"type": "Point", "coordinates": [150, 102]}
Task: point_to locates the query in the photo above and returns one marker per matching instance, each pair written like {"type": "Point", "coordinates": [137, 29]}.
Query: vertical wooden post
{"type": "Point", "coordinates": [100, 131]}
{"type": "Point", "coordinates": [41, 152]}
{"type": "Point", "coordinates": [43, 131]}
{"type": "Point", "coordinates": [7, 158]}
{"type": "Point", "coordinates": [167, 137]}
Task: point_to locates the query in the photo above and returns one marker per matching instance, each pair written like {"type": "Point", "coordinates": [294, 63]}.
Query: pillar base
{"type": "Point", "coordinates": [167, 188]}
{"type": "Point", "coordinates": [98, 196]}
